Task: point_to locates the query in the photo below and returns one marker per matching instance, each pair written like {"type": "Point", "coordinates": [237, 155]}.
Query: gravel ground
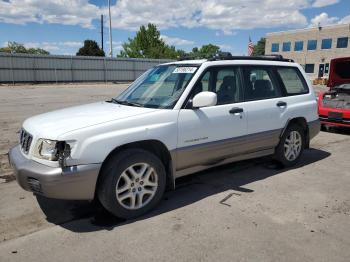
{"type": "Point", "coordinates": [246, 211]}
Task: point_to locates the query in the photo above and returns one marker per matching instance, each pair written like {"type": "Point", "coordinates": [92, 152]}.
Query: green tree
{"type": "Point", "coordinates": [205, 51]}
{"type": "Point", "coordinates": [148, 44]}
{"type": "Point", "coordinates": [259, 48]}
{"type": "Point", "coordinates": [37, 51]}
{"type": "Point", "coordinates": [16, 48]}
{"type": "Point", "coordinates": [90, 48]}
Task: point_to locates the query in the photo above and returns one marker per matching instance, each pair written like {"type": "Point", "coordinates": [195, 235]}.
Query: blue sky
{"type": "Point", "coordinates": [60, 26]}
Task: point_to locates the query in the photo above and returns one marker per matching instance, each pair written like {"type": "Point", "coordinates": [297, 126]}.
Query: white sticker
{"type": "Point", "coordinates": [184, 70]}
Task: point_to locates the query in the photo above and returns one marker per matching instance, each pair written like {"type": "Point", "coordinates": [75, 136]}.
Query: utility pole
{"type": "Point", "coordinates": [110, 30]}
{"type": "Point", "coordinates": [102, 32]}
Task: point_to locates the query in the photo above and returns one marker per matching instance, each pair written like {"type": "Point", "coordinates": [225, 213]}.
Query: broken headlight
{"type": "Point", "coordinates": [46, 149]}
{"type": "Point", "coordinates": [52, 150]}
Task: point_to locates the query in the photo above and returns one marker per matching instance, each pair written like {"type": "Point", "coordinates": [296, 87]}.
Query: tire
{"type": "Point", "coordinates": [291, 146]}
{"type": "Point", "coordinates": [132, 183]}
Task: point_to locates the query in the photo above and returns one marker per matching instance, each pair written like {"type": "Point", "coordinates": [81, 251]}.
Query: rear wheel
{"type": "Point", "coordinates": [291, 146]}
{"type": "Point", "coordinates": [132, 183]}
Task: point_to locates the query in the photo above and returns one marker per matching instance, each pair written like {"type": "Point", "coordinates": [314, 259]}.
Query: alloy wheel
{"type": "Point", "coordinates": [137, 186]}
{"type": "Point", "coordinates": [292, 145]}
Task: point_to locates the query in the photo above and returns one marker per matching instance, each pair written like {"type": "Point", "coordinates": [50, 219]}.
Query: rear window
{"type": "Point", "coordinates": [292, 81]}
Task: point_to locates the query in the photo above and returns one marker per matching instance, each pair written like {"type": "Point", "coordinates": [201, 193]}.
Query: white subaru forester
{"type": "Point", "coordinates": [176, 119]}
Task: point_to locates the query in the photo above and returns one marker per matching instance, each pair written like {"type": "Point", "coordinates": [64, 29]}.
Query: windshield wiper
{"type": "Point", "coordinates": [126, 103]}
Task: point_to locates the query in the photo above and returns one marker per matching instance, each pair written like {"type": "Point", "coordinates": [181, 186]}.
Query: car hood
{"type": "Point", "coordinates": [53, 124]}
{"type": "Point", "coordinates": [339, 72]}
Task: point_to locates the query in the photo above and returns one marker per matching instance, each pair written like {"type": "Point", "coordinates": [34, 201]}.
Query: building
{"type": "Point", "coordinates": [313, 48]}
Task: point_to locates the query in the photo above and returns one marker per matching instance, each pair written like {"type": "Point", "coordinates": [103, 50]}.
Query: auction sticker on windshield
{"type": "Point", "coordinates": [185, 70]}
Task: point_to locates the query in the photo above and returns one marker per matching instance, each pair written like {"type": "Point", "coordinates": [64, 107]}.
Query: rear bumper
{"type": "Point", "coordinates": [73, 183]}
{"type": "Point", "coordinates": [314, 128]}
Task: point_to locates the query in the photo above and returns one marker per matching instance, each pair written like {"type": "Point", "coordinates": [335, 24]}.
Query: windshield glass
{"type": "Point", "coordinates": [159, 87]}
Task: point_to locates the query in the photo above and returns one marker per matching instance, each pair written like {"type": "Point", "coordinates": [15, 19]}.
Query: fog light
{"type": "Point", "coordinates": [34, 185]}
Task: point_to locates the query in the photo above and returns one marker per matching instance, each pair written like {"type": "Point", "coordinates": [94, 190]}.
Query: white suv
{"type": "Point", "coordinates": [176, 119]}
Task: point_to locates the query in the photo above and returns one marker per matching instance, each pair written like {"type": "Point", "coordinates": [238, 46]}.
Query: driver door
{"type": "Point", "coordinates": [209, 135]}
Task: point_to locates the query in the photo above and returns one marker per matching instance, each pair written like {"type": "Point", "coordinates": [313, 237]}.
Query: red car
{"type": "Point", "coordinates": [334, 105]}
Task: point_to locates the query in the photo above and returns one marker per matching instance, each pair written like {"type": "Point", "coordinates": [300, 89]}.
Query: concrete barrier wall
{"type": "Point", "coordinates": [16, 68]}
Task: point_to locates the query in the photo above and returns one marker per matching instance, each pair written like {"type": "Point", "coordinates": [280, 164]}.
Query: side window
{"type": "Point", "coordinates": [224, 81]}
{"type": "Point", "coordinates": [292, 81]}
{"type": "Point", "coordinates": [227, 86]}
{"type": "Point", "coordinates": [258, 84]}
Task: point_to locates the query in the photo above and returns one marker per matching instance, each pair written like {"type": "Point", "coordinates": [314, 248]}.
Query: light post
{"type": "Point", "coordinates": [110, 30]}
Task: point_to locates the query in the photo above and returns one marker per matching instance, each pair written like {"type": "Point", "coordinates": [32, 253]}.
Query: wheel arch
{"type": "Point", "coordinates": [155, 147]}
{"type": "Point", "coordinates": [300, 121]}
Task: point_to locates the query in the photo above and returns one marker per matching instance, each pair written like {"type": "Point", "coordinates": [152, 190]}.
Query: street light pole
{"type": "Point", "coordinates": [110, 30]}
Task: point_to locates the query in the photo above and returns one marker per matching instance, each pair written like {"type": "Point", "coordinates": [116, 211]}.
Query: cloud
{"type": "Point", "coordinates": [225, 47]}
{"type": "Point", "coordinates": [176, 41]}
{"type": "Point", "coordinates": [323, 19]}
{"type": "Point", "coordinates": [223, 15]}
{"type": "Point", "coordinates": [345, 20]}
{"type": "Point", "coordinates": [116, 45]}
{"type": "Point", "coordinates": [67, 12]}
{"type": "Point", "coordinates": [322, 3]}
{"type": "Point", "coordinates": [71, 43]}
{"type": "Point", "coordinates": [51, 47]}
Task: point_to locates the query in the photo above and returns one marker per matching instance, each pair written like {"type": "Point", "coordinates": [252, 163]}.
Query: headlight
{"type": "Point", "coordinates": [46, 149]}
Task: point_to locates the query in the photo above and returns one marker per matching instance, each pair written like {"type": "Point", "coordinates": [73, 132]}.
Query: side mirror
{"type": "Point", "coordinates": [204, 99]}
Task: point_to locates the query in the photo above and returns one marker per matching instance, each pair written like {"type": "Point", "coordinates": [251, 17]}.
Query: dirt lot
{"type": "Point", "coordinates": [247, 211]}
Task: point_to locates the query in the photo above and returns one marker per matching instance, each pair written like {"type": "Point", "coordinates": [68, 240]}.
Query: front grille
{"type": "Point", "coordinates": [25, 141]}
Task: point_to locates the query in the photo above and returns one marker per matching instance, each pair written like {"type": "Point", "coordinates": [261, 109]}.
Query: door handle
{"type": "Point", "coordinates": [281, 103]}
{"type": "Point", "coordinates": [236, 110]}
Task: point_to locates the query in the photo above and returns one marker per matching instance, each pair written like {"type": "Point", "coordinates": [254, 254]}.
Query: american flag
{"type": "Point", "coordinates": [250, 47]}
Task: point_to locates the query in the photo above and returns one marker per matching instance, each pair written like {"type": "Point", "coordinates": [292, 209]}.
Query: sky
{"type": "Point", "coordinates": [61, 26]}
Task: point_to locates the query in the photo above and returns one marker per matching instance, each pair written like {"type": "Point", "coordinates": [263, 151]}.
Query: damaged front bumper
{"type": "Point", "coordinates": [73, 183]}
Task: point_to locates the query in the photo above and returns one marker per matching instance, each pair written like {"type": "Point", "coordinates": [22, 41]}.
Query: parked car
{"type": "Point", "coordinates": [176, 119]}
{"type": "Point", "coordinates": [334, 105]}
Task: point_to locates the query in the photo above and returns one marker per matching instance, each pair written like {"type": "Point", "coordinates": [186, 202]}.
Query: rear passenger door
{"type": "Point", "coordinates": [264, 105]}
{"type": "Point", "coordinates": [300, 102]}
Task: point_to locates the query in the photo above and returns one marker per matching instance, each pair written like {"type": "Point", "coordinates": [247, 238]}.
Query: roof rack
{"type": "Point", "coordinates": [229, 56]}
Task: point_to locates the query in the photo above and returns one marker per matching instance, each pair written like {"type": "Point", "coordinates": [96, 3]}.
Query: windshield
{"type": "Point", "coordinates": [159, 87]}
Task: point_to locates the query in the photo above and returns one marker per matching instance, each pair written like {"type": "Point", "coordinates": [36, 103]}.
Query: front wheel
{"type": "Point", "coordinates": [132, 183]}
{"type": "Point", "coordinates": [291, 146]}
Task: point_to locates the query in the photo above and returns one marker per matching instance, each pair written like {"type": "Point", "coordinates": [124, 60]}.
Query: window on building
{"type": "Point", "coordinates": [309, 68]}
{"type": "Point", "coordinates": [275, 47]}
{"type": "Point", "coordinates": [286, 47]}
{"type": "Point", "coordinates": [342, 42]}
{"type": "Point", "coordinates": [292, 81]}
{"type": "Point", "coordinates": [311, 45]}
{"type": "Point", "coordinates": [298, 46]}
{"type": "Point", "coordinates": [326, 43]}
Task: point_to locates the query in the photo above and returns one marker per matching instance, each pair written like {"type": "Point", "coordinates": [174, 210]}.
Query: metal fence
{"type": "Point", "coordinates": [15, 68]}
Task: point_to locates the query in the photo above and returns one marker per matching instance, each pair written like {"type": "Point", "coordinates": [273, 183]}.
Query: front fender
{"type": "Point", "coordinates": [95, 143]}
